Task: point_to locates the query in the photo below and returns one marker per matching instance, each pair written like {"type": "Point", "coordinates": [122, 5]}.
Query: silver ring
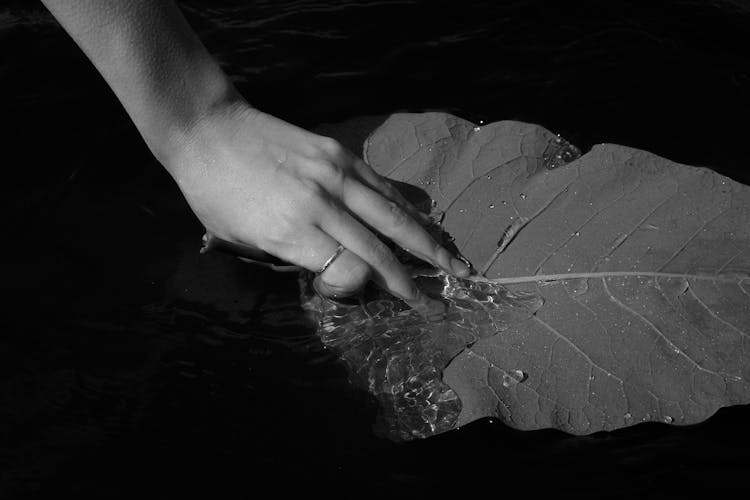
{"type": "Point", "coordinates": [330, 260]}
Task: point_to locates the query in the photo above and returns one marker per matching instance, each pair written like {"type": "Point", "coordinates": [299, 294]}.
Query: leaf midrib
{"type": "Point", "coordinates": [607, 274]}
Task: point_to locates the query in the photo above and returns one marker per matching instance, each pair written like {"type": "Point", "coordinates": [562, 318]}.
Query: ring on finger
{"type": "Point", "coordinates": [331, 259]}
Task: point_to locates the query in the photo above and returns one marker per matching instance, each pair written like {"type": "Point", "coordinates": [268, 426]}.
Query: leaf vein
{"type": "Point", "coordinates": [691, 238]}
{"type": "Point", "coordinates": [576, 348]}
{"type": "Point", "coordinates": [722, 320]}
{"type": "Point", "coordinates": [654, 328]}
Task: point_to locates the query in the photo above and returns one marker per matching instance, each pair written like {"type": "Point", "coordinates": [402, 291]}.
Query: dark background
{"type": "Point", "coordinates": [130, 365]}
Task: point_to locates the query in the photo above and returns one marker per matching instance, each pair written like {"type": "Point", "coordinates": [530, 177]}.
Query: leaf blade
{"type": "Point", "coordinates": [642, 267]}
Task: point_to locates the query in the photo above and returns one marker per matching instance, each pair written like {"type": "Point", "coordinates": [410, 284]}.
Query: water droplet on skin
{"type": "Point", "coordinates": [492, 205]}
{"type": "Point", "coordinates": [668, 419]}
{"type": "Point", "coordinates": [523, 196]}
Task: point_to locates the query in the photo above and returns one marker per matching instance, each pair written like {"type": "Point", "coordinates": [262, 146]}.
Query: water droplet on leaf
{"type": "Point", "coordinates": [578, 286]}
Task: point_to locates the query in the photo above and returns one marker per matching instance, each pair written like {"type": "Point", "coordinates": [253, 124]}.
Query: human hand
{"type": "Point", "coordinates": [256, 180]}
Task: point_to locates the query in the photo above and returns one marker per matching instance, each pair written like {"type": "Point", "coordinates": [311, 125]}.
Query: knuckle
{"type": "Point", "coordinates": [329, 168]}
{"type": "Point", "coordinates": [331, 174]}
{"type": "Point", "coordinates": [280, 234]}
{"type": "Point", "coordinates": [308, 199]}
{"type": "Point", "coordinates": [331, 147]}
{"type": "Point", "coordinates": [399, 217]}
{"type": "Point", "coordinates": [382, 255]}
{"type": "Point", "coordinates": [307, 203]}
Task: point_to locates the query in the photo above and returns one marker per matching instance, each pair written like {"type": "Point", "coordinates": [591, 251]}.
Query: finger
{"type": "Point", "coordinates": [390, 219]}
{"type": "Point", "coordinates": [387, 270]}
{"type": "Point", "coordinates": [387, 189]}
{"type": "Point", "coordinates": [344, 276]}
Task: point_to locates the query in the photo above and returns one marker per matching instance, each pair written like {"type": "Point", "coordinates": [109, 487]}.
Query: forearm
{"type": "Point", "coordinates": [152, 60]}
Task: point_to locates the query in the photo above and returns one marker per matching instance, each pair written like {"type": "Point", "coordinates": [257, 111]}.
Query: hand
{"type": "Point", "coordinates": [257, 180]}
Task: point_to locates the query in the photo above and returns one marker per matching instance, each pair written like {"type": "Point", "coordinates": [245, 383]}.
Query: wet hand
{"type": "Point", "coordinates": [254, 179]}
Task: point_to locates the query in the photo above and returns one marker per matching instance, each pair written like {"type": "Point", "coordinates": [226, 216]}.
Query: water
{"type": "Point", "coordinates": [127, 359]}
{"type": "Point", "coordinates": [397, 356]}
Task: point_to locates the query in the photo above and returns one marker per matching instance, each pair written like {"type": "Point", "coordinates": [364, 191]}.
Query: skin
{"type": "Point", "coordinates": [249, 177]}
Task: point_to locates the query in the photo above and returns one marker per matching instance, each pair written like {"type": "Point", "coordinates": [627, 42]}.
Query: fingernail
{"type": "Point", "coordinates": [459, 267]}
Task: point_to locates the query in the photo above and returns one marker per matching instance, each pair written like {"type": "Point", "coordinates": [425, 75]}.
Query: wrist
{"type": "Point", "coordinates": [177, 117]}
{"type": "Point", "coordinates": [189, 145]}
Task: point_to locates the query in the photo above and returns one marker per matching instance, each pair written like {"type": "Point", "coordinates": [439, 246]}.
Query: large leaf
{"type": "Point", "coordinates": [631, 274]}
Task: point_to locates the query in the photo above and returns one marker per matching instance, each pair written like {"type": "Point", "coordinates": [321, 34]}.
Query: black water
{"type": "Point", "coordinates": [130, 365]}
